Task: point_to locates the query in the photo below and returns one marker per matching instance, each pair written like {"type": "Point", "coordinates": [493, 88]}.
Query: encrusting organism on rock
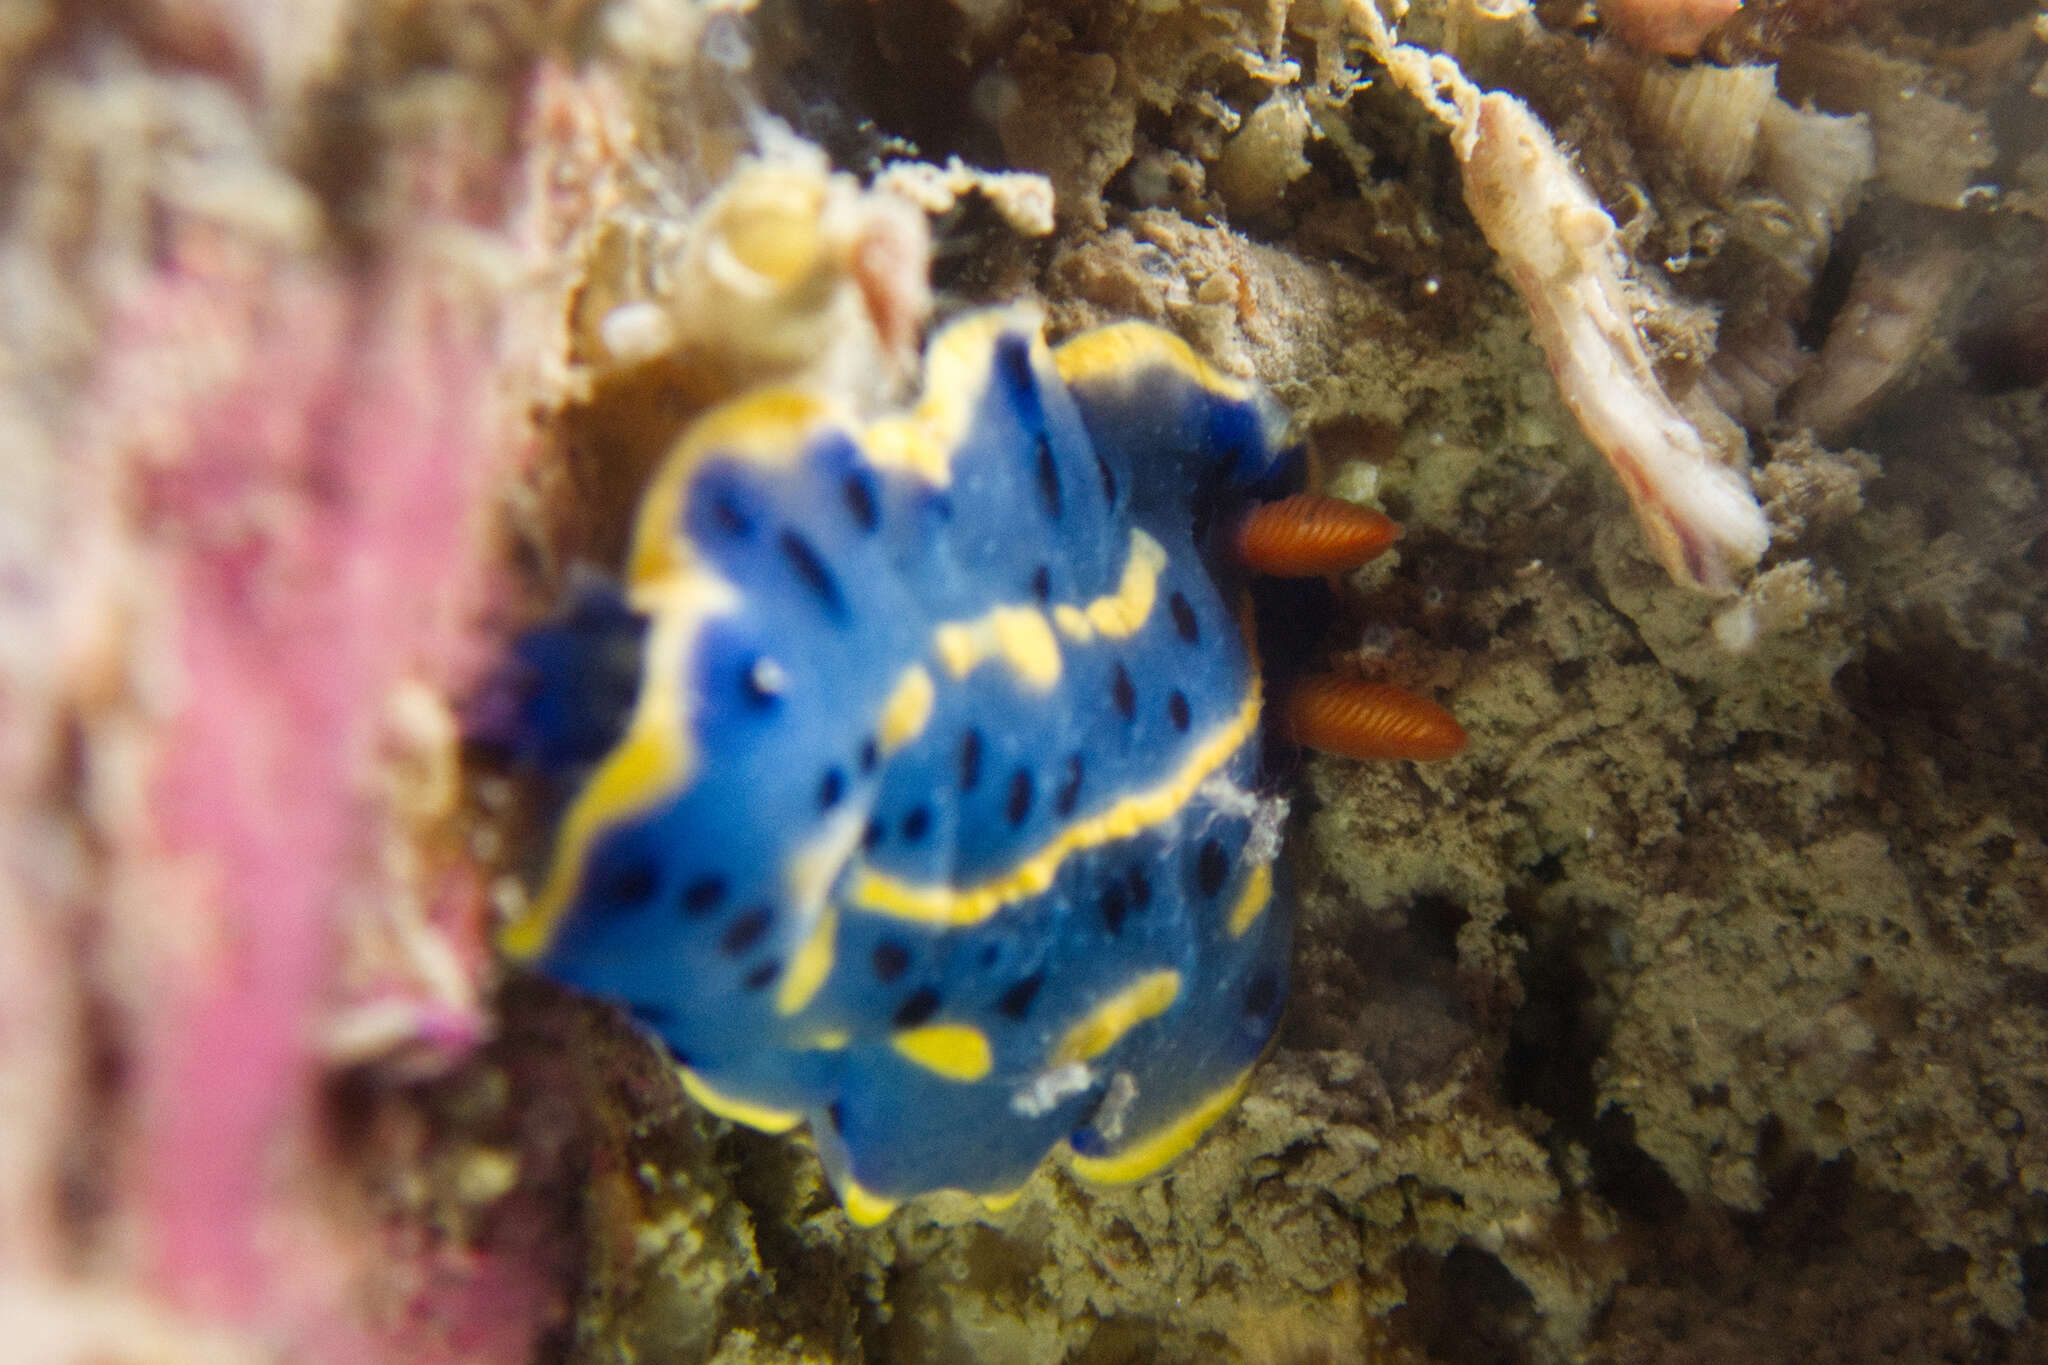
{"type": "Point", "coordinates": [1889, 315]}
{"type": "Point", "coordinates": [1668, 28]}
{"type": "Point", "coordinates": [1559, 247]}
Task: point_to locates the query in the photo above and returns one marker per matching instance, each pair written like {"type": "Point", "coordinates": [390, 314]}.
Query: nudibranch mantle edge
{"type": "Point", "coordinates": [930, 821]}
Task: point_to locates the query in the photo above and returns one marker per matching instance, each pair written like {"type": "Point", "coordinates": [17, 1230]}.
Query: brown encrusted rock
{"type": "Point", "coordinates": [1692, 1016]}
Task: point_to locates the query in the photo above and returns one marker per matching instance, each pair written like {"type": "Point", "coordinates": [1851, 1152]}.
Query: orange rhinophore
{"type": "Point", "coordinates": [1342, 715]}
{"type": "Point", "coordinates": [1307, 535]}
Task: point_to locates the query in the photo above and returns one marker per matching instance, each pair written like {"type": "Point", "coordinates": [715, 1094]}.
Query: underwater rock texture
{"type": "Point", "coordinates": [1696, 1013]}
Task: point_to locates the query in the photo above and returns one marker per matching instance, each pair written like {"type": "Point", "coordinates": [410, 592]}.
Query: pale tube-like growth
{"type": "Point", "coordinates": [1560, 249]}
{"type": "Point", "coordinates": [1890, 314]}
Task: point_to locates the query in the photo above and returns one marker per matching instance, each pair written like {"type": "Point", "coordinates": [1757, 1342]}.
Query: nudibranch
{"type": "Point", "coordinates": [907, 784]}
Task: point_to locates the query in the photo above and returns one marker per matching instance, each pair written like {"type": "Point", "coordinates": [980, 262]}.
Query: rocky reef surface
{"type": "Point", "coordinates": [1699, 1012]}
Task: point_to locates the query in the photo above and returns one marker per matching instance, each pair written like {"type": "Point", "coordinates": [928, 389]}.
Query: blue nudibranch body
{"type": "Point", "coordinates": [923, 812]}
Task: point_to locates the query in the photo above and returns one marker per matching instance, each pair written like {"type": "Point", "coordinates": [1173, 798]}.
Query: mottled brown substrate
{"type": "Point", "coordinates": [1696, 1013]}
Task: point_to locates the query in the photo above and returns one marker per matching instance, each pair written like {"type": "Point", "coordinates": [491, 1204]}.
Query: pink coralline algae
{"type": "Point", "coordinates": [310, 454]}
